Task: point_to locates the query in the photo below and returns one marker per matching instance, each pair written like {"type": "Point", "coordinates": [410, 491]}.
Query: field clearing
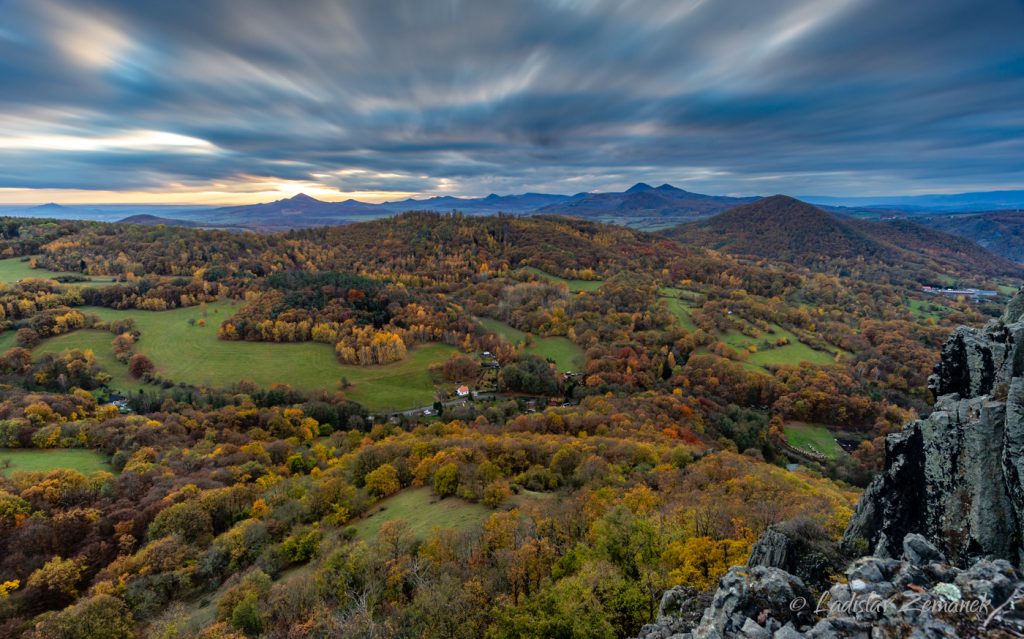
{"type": "Point", "coordinates": [681, 310]}
{"type": "Point", "coordinates": [574, 286]}
{"type": "Point", "coordinates": [8, 340]}
{"type": "Point", "coordinates": [566, 355]}
{"type": "Point", "coordinates": [688, 296]}
{"type": "Point", "coordinates": [191, 353]}
{"type": "Point", "coordinates": [813, 438]}
{"type": "Point", "coordinates": [791, 354]}
{"type": "Point", "coordinates": [99, 342]}
{"type": "Point", "coordinates": [925, 309]}
{"type": "Point", "coordinates": [46, 459]}
{"type": "Point", "coordinates": [424, 512]}
{"type": "Point", "coordinates": [15, 269]}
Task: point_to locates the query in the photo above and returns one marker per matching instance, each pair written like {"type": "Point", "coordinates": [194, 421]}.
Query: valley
{"type": "Point", "coordinates": [342, 405]}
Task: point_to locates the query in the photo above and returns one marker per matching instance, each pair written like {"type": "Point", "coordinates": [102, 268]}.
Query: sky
{"type": "Point", "coordinates": [225, 101]}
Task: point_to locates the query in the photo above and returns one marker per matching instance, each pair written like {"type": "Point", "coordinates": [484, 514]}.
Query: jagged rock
{"type": "Point", "coordinates": [772, 549]}
{"type": "Point", "coordinates": [680, 609]}
{"type": "Point", "coordinates": [788, 632]}
{"type": "Point", "coordinates": [800, 548]}
{"type": "Point", "coordinates": [957, 477]}
{"type": "Point", "coordinates": [757, 593]}
{"type": "Point", "coordinates": [919, 551]}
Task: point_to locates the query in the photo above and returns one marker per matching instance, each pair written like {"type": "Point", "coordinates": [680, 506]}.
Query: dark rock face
{"type": "Point", "coordinates": [801, 549]}
{"type": "Point", "coordinates": [955, 477]}
{"type": "Point", "coordinates": [681, 608]}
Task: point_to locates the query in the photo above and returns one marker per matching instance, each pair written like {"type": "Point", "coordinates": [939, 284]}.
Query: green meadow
{"type": "Point", "coordinates": [791, 354]}
{"type": "Point", "coordinates": [566, 355]}
{"type": "Point", "coordinates": [99, 342]}
{"type": "Point", "coordinates": [15, 269]}
{"type": "Point", "coordinates": [813, 438]}
{"type": "Point", "coordinates": [183, 345]}
{"type": "Point", "coordinates": [925, 309]}
{"type": "Point", "coordinates": [47, 459]}
{"type": "Point", "coordinates": [424, 512]}
{"type": "Point", "coordinates": [681, 309]}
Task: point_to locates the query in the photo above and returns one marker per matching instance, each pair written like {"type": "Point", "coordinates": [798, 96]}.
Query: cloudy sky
{"type": "Point", "coordinates": [225, 101]}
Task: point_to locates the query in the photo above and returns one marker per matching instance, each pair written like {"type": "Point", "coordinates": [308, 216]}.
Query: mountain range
{"type": "Point", "coordinates": [641, 206]}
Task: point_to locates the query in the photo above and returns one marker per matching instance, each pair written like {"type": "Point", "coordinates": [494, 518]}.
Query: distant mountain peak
{"type": "Point", "coordinates": [779, 198]}
{"type": "Point", "coordinates": [640, 187]}
{"type": "Point", "coordinates": [302, 197]}
{"type": "Point", "coordinates": [669, 187]}
{"type": "Point", "coordinates": [493, 196]}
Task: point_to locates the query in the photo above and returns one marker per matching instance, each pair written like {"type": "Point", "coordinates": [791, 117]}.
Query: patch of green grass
{"type": "Point", "coordinates": [566, 355]}
{"type": "Point", "coordinates": [8, 340]}
{"type": "Point", "coordinates": [46, 459]}
{"type": "Point", "coordinates": [192, 353]}
{"type": "Point", "coordinates": [1007, 289]}
{"type": "Point", "coordinates": [424, 512]}
{"type": "Point", "coordinates": [925, 309]}
{"type": "Point", "coordinates": [681, 310]}
{"type": "Point", "coordinates": [574, 286]}
{"type": "Point", "coordinates": [99, 342]}
{"type": "Point", "coordinates": [813, 438]}
{"type": "Point", "coordinates": [684, 294]}
{"type": "Point", "coordinates": [15, 269]}
{"type": "Point", "coordinates": [791, 354]}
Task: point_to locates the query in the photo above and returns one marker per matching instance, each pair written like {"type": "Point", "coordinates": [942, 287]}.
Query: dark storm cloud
{"type": "Point", "coordinates": [755, 96]}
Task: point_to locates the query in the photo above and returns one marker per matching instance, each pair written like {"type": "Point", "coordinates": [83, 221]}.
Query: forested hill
{"type": "Point", "coordinates": [786, 229]}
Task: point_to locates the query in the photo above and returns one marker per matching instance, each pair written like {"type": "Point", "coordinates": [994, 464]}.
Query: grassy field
{"type": "Point", "coordinates": [84, 461]}
{"type": "Point", "coordinates": [99, 343]}
{"type": "Point", "coordinates": [8, 340]}
{"type": "Point", "coordinates": [791, 354]}
{"type": "Point", "coordinates": [423, 511]}
{"type": "Point", "coordinates": [924, 309]}
{"type": "Point", "coordinates": [813, 438]}
{"type": "Point", "coordinates": [191, 353]}
{"type": "Point", "coordinates": [566, 355]}
{"type": "Point", "coordinates": [681, 310]}
{"type": "Point", "coordinates": [574, 286]}
{"type": "Point", "coordinates": [14, 269]}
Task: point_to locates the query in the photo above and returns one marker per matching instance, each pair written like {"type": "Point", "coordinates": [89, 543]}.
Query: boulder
{"type": "Point", "coordinates": [765, 595]}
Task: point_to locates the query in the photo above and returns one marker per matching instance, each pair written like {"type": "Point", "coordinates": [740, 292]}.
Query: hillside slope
{"type": "Point", "coordinates": [1001, 232]}
{"type": "Point", "coordinates": [784, 228]}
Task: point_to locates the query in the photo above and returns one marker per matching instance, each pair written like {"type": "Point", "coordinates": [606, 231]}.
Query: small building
{"type": "Point", "coordinates": [462, 391]}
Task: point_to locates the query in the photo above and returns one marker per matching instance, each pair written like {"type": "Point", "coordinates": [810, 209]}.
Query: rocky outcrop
{"type": "Point", "coordinates": [918, 595]}
{"type": "Point", "coordinates": [940, 527]}
{"type": "Point", "coordinates": [681, 608]}
{"type": "Point", "coordinates": [801, 548]}
{"type": "Point", "coordinates": [957, 476]}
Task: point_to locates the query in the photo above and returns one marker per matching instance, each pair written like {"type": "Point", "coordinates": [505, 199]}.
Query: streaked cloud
{"type": "Point", "coordinates": [231, 102]}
